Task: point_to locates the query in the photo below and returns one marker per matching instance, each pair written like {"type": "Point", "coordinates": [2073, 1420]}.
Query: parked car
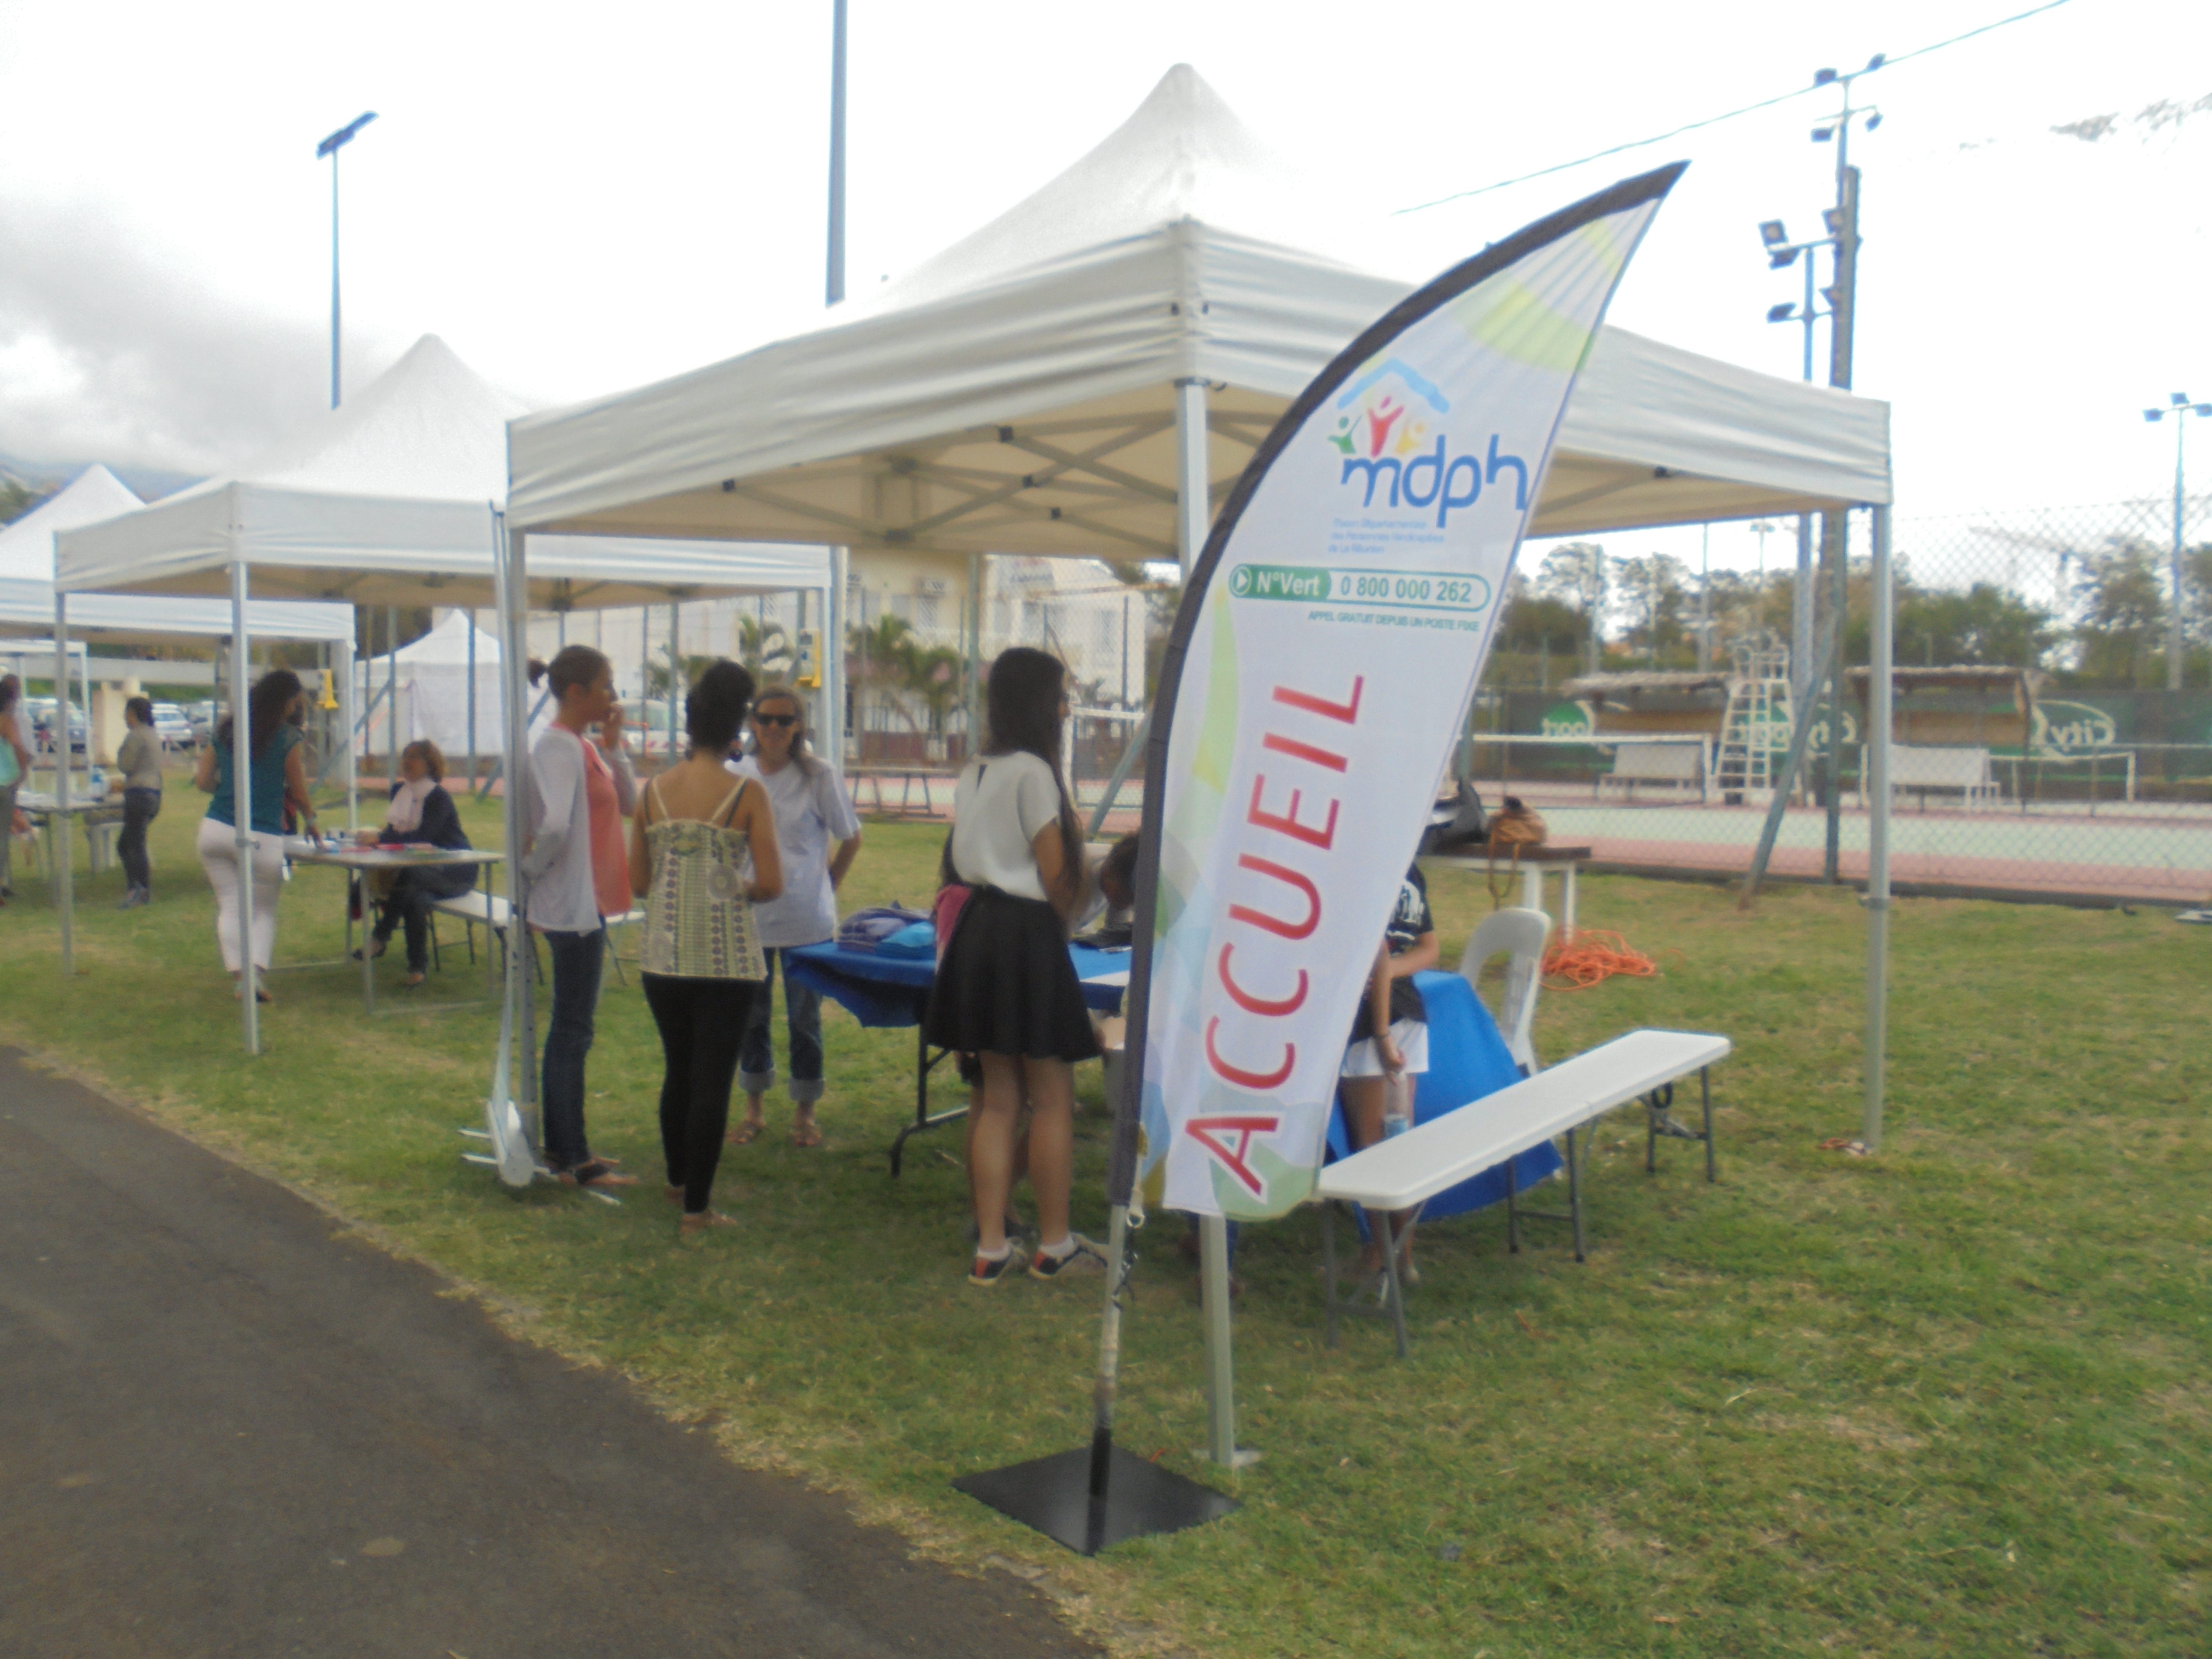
{"type": "Point", "coordinates": [41, 710]}
{"type": "Point", "coordinates": [173, 728]}
{"type": "Point", "coordinates": [645, 728]}
{"type": "Point", "coordinates": [202, 716]}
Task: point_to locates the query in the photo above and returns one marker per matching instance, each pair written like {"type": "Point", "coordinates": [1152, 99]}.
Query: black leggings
{"type": "Point", "coordinates": [701, 1022]}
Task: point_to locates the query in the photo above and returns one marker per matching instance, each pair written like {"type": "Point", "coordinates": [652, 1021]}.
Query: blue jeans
{"type": "Point", "coordinates": [803, 1013]}
{"type": "Point", "coordinates": [576, 962]}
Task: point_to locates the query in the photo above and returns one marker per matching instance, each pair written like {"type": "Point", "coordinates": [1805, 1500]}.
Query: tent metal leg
{"type": "Point", "coordinates": [60, 852]}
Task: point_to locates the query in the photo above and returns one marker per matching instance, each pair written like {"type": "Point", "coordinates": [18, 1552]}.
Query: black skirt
{"type": "Point", "coordinates": [1005, 985]}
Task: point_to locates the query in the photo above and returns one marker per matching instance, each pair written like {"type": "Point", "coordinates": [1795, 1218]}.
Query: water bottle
{"type": "Point", "coordinates": [1397, 1107]}
{"type": "Point", "coordinates": [98, 782]}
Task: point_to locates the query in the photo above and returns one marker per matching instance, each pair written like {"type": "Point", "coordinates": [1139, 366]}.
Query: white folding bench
{"type": "Point", "coordinates": [1920, 769]}
{"type": "Point", "coordinates": [1677, 763]}
{"type": "Point", "coordinates": [1411, 1168]}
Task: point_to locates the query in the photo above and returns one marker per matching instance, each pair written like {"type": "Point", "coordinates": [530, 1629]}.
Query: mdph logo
{"type": "Point", "coordinates": [1382, 432]}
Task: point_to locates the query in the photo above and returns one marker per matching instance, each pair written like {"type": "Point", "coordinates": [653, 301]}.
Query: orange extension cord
{"type": "Point", "coordinates": [1591, 957]}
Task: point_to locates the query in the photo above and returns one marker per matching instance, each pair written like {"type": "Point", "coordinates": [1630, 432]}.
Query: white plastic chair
{"type": "Point", "coordinates": [1518, 935]}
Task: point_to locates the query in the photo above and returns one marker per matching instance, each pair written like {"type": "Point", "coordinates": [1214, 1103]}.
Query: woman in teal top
{"type": "Point", "coordinates": [279, 775]}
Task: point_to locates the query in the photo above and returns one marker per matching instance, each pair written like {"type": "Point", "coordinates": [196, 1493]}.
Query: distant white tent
{"type": "Point", "coordinates": [390, 499]}
{"type": "Point", "coordinates": [27, 582]}
{"type": "Point", "coordinates": [429, 688]}
{"type": "Point", "coordinates": [395, 498]}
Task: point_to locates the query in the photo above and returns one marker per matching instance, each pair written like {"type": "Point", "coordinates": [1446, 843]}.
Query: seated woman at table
{"type": "Point", "coordinates": [1389, 1047]}
{"type": "Point", "coordinates": [420, 812]}
{"type": "Point", "coordinates": [703, 852]}
{"type": "Point", "coordinates": [278, 775]}
{"type": "Point", "coordinates": [1006, 990]}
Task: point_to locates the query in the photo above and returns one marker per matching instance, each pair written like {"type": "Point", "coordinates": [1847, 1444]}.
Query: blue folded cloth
{"type": "Point", "coordinates": [917, 940]}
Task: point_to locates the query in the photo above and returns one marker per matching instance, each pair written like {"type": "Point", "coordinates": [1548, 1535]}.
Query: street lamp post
{"type": "Point", "coordinates": [331, 147]}
{"type": "Point", "coordinates": [2180, 408]}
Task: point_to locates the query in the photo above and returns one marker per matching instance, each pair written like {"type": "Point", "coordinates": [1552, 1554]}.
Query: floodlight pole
{"type": "Point", "coordinates": [2180, 408]}
{"type": "Point", "coordinates": [331, 147]}
{"type": "Point", "coordinates": [1835, 545]}
{"type": "Point", "coordinates": [835, 287]}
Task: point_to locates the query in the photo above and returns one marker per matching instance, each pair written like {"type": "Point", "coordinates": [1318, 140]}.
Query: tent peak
{"type": "Point", "coordinates": [1182, 156]}
{"type": "Point", "coordinates": [27, 546]}
{"type": "Point", "coordinates": [428, 428]}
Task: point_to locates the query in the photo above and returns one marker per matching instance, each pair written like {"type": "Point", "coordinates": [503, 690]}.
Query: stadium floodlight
{"type": "Point", "coordinates": [1822, 77]}
{"type": "Point", "coordinates": [1834, 221]}
{"type": "Point", "coordinates": [1771, 233]}
{"type": "Point", "coordinates": [1822, 135]}
{"type": "Point", "coordinates": [331, 147]}
{"type": "Point", "coordinates": [2180, 408]}
{"type": "Point", "coordinates": [1873, 121]}
{"type": "Point", "coordinates": [343, 135]}
{"type": "Point", "coordinates": [1782, 258]}
{"type": "Point", "coordinates": [1782, 314]}
{"type": "Point", "coordinates": [1874, 63]}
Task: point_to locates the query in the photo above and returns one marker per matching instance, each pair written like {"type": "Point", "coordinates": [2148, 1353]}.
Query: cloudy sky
{"type": "Point", "coordinates": [583, 197]}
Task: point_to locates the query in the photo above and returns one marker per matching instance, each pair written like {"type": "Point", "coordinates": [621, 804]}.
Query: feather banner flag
{"type": "Point", "coordinates": [1328, 641]}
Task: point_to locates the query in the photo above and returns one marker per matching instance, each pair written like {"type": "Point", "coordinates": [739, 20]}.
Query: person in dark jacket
{"type": "Point", "coordinates": [420, 812]}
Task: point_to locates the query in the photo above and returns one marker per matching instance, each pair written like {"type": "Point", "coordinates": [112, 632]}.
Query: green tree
{"type": "Point", "coordinates": [2122, 595]}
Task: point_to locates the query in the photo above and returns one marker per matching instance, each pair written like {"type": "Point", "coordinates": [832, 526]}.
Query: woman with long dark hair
{"type": "Point", "coordinates": [1006, 990]}
{"type": "Point", "coordinates": [811, 812]}
{"type": "Point", "coordinates": [704, 853]}
{"type": "Point", "coordinates": [15, 762]}
{"type": "Point", "coordinates": [579, 789]}
{"type": "Point", "coordinates": [278, 774]}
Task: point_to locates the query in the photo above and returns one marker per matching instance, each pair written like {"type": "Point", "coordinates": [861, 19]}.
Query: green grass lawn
{"type": "Point", "coordinates": [1951, 1400]}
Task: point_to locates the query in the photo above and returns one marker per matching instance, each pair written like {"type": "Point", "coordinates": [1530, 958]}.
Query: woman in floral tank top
{"type": "Point", "coordinates": [702, 854]}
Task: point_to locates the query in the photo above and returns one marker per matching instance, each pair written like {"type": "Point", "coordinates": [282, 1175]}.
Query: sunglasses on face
{"type": "Point", "coordinates": [776, 719]}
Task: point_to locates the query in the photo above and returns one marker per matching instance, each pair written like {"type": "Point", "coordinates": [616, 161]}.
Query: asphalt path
{"type": "Point", "coordinates": [227, 1426]}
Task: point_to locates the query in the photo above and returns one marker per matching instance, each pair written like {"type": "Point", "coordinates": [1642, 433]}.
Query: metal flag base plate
{"type": "Point", "coordinates": [1053, 1495]}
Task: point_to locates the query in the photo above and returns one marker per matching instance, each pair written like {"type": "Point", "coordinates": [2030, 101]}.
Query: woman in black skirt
{"type": "Point", "coordinates": [1006, 990]}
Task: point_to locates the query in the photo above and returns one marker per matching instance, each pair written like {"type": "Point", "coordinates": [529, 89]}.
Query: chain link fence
{"type": "Point", "coordinates": [2042, 748]}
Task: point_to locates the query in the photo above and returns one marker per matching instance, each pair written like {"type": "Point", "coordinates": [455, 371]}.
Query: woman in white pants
{"type": "Point", "coordinates": [279, 776]}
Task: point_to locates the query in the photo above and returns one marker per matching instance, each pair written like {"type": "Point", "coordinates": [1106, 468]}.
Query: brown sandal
{"type": "Point", "coordinates": [745, 1133]}
{"type": "Point", "coordinates": [696, 1221]}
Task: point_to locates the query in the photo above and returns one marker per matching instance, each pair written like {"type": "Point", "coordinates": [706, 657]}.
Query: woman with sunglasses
{"type": "Point", "coordinates": [811, 812]}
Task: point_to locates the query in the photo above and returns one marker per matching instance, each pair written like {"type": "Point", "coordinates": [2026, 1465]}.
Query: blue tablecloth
{"type": "Point", "coordinates": [1467, 1060]}
{"type": "Point", "coordinates": [879, 990]}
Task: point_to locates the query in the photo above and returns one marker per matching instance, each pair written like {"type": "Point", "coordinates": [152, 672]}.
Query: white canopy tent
{"type": "Point", "coordinates": [1089, 373]}
{"type": "Point", "coordinates": [1033, 388]}
{"type": "Point", "coordinates": [393, 498]}
{"type": "Point", "coordinates": [27, 592]}
{"type": "Point", "coordinates": [26, 581]}
{"type": "Point", "coordinates": [438, 686]}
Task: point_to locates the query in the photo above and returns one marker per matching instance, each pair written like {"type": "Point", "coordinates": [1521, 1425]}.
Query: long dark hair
{"type": "Point", "coordinates": [10, 688]}
{"type": "Point", "coordinates": [802, 752]}
{"type": "Point", "coordinates": [1021, 702]}
{"type": "Point", "coordinates": [715, 707]}
{"type": "Point", "coordinates": [265, 707]}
